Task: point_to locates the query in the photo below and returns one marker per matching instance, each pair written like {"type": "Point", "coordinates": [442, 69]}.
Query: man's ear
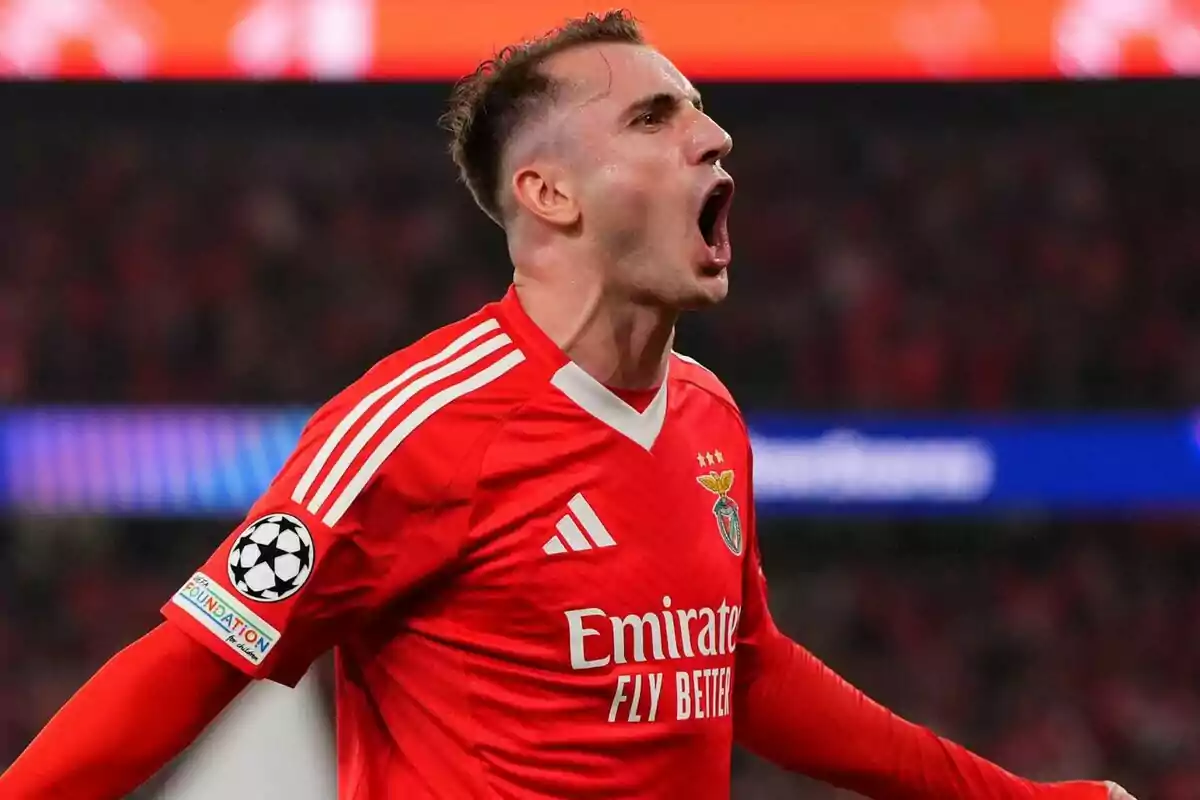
{"type": "Point", "coordinates": [545, 189]}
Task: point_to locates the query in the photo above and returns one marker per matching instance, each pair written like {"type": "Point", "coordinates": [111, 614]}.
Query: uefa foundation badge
{"type": "Point", "coordinates": [729, 518]}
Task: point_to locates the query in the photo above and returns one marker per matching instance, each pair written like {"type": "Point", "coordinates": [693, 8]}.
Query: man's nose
{"type": "Point", "coordinates": [712, 142]}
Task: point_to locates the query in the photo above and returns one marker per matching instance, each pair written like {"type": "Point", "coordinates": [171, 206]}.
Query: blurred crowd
{"type": "Point", "coordinates": [878, 266]}
{"type": "Point", "coordinates": [1061, 649]}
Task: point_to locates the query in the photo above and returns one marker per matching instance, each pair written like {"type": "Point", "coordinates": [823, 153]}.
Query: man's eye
{"type": "Point", "coordinates": [649, 119]}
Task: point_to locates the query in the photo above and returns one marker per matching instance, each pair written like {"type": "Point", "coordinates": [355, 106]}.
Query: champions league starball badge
{"type": "Point", "coordinates": [272, 558]}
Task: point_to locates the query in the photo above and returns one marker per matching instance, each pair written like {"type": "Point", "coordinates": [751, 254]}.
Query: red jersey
{"type": "Point", "coordinates": [538, 590]}
{"type": "Point", "coordinates": [534, 589]}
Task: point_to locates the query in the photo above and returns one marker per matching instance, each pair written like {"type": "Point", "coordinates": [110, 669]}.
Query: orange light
{"type": "Point", "coordinates": [730, 39]}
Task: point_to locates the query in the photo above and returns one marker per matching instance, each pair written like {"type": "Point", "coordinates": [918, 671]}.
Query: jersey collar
{"type": "Point", "coordinates": [642, 427]}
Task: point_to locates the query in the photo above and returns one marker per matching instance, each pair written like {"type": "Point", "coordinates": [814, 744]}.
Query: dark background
{"type": "Point", "coordinates": [900, 249]}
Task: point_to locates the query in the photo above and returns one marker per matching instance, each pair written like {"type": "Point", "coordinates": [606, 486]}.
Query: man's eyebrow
{"type": "Point", "coordinates": [662, 101]}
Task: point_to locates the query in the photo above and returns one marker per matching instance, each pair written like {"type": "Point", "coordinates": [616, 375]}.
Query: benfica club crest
{"type": "Point", "coordinates": [729, 520]}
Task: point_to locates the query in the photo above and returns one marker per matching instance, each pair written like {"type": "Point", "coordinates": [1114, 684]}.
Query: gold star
{"type": "Point", "coordinates": [710, 458]}
{"type": "Point", "coordinates": [720, 458]}
{"type": "Point", "coordinates": [700, 459]}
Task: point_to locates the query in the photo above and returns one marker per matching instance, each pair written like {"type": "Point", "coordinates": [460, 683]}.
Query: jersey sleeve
{"type": "Point", "coordinates": [353, 521]}
{"type": "Point", "coordinates": [792, 709]}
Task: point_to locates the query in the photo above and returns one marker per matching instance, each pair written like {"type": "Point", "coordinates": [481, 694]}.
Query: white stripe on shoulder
{"type": "Point", "coordinates": [411, 422]}
{"type": "Point", "coordinates": [690, 360]}
{"type": "Point", "coordinates": [356, 446]}
{"type": "Point", "coordinates": [347, 422]}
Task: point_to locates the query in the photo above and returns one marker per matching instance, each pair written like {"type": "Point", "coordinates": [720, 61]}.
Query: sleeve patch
{"type": "Point", "coordinates": [272, 558]}
{"type": "Point", "coordinates": [226, 617]}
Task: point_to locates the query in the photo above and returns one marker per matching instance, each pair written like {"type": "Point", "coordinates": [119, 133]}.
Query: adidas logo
{"type": "Point", "coordinates": [578, 532]}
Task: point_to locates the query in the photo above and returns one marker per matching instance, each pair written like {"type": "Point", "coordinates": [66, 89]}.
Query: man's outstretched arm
{"type": "Point", "coordinates": [141, 709]}
{"type": "Point", "coordinates": [795, 711]}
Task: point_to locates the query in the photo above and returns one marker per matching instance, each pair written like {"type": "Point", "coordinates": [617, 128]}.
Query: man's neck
{"type": "Point", "coordinates": [619, 343]}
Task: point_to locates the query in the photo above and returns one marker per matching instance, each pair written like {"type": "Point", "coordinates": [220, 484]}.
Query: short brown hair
{"type": "Point", "coordinates": [490, 104]}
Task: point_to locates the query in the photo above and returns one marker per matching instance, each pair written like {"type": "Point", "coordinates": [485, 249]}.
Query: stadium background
{"type": "Point", "coordinates": [965, 324]}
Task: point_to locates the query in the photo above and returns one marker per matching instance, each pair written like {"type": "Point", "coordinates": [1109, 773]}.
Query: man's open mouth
{"type": "Point", "coordinates": [714, 214]}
